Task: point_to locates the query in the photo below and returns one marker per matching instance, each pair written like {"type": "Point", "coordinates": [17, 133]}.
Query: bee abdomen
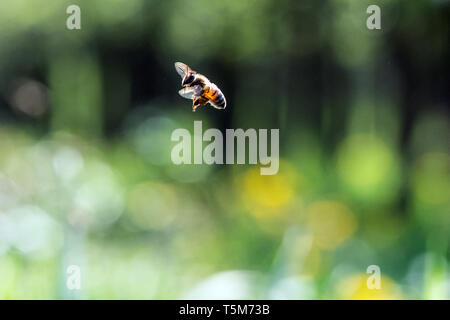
{"type": "Point", "coordinates": [216, 97]}
{"type": "Point", "coordinates": [220, 100]}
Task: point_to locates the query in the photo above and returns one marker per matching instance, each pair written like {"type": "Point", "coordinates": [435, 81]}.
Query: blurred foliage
{"type": "Point", "coordinates": [85, 171]}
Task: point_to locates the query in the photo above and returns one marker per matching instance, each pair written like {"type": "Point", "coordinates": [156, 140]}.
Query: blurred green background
{"type": "Point", "coordinates": [86, 177]}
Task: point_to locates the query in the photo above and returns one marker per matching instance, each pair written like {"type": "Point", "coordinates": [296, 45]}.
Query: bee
{"type": "Point", "coordinates": [198, 88]}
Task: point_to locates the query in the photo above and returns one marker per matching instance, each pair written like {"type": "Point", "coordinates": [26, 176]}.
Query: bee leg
{"type": "Point", "coordinates": [195, 104]}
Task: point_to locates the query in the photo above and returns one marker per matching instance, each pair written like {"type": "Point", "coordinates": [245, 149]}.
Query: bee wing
{"type": "Point", "coordinates": [190, 92]}
{"type": "Point", "coordinates": [182, 68]}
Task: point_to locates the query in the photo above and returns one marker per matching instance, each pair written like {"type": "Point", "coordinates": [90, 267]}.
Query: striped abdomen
{"type": "Point", "coordinates": [215, 96]}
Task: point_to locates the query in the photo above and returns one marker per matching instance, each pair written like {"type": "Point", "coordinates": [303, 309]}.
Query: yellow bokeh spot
{"type": "Point", "coordinates": [266, 196]}
{"type": "Point", "coordinates": [330, 222]}
{"type": "Point", "coordinates": [272, 191]}
{"type": "Point", "coordinates": [355, 287]}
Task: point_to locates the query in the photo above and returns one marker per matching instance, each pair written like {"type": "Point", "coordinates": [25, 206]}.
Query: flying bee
{"type": "Point", "coordinates": [198, 88]}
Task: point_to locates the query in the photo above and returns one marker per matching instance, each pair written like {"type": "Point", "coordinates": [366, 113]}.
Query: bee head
{"type": "Point", "coordinates": [188, 79]}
